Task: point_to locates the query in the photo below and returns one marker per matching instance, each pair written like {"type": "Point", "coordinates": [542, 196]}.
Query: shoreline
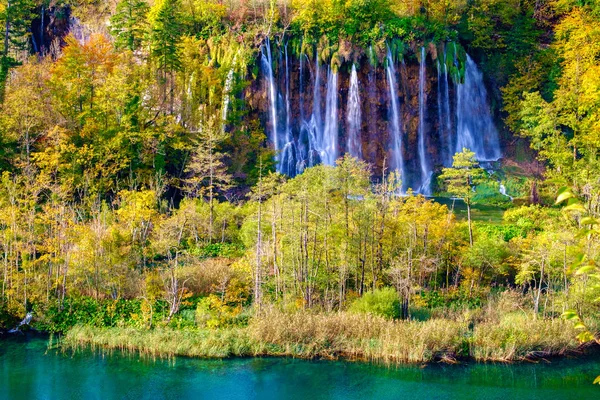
{"type": "Point", "coordinates": [582, 351]}
{"type": "Point", "coordinates": [342, 337]}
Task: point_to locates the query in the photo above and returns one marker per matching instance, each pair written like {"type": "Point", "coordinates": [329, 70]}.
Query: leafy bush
{"type": "Point", "coordinates": [227, 250]}
{"type": "Point", "coordinates": [212, 312]}
{"type": "Point", "coordinates": [489, 193]}
{"type": "Point", "coordinates": [382, 302]}
{"type": "Point", "coordinates": [101, 313]}
{"type": "Point", "coordinates": [7, 320]}
{"type": "Point", "coordinates": [505, 231]}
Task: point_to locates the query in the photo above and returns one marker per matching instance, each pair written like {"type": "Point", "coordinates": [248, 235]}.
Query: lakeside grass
{"type": "Point", "coordinates": [479, 212]}
{"type": "Point", "coordinates": [344, 335]}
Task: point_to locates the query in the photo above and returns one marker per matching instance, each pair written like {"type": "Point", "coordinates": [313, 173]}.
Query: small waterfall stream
{"type": "Point", "coordinates": [503, 191]}
{"type": "Point", "coordinates": [444, 115]}
{"type": "Point", "coordinates": [329, 141]}
{"type": "Point", "coordinates": [315, 125]}
{"type": "Point", "coordinates": [267, 64]}
{"type": "Point", "coordinates": [475, 128]}
{"type": "Point", "coordinates": [395, 127]}
{"type": "Point", "coordinates": [25, 321]}
{"type": "Point", "coordinates": [227, 90]}
{"type": "Point", "coordinates": [423, 157]}
{"type": "Point", "coordinates": [288, 160]}
{"type": "Point", "coordinates": [354, 121]}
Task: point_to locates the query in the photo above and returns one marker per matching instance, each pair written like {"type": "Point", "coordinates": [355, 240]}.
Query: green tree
{"type": "Point", "coordinates": [17, 16]}
{"type": "Point", "coordinates": [462, 179]}
{"type": "Point", "coordinates": [129, 24]}
{"type": "Point", "coordinates": [207, 172]}
{"type": "Point", "coordinates": [165, 38]}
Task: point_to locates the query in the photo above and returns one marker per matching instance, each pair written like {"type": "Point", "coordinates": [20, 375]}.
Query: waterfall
{"type": "Point", "coordinates": [371, 107]}
{"type": "Point", "coordinates": [288, 112]}
{"type": "Point", "coordinates": [396, 132]}
{"type": "Point", "coordinates": [329, 141]}
{"type": "Point", "coordinates": [304, 134]}
{"type": "Point", "coordinates": [448, 117]}
{"type": "Point", "coordinates": [475, 128]}
{"type": "Point", "coordinates": [315, 125]}
{"type": "Point", "coordinates": [80, 32]}
{"type": "Point", "coordinates": [288, 162]}
{"type": "Point", "coordinates": [227, 90]}
{"type": "Point", "coordinates": [267, 64]}
{"type": "Point", "coordinates": [301, 149]}
{"type": "Point", "coordinates": [354, 117]}
{"type": "Point", "coordinates": [441, 130]}
{"type": "Point", "coordinates": [444, 116]}
{"type": "Point", "coordinates": [503, 191]}
{"type": "Point", "coordinates": [42, 28]}
{"type": "Point", "coordinates": [424, 162]}
{"type": "Point", "coordinates": [25, 321]}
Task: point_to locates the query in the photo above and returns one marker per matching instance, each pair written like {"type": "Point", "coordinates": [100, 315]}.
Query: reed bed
{"type": "Point", "coordinates": [163, 342]}
{"type": "Point", "coordinates": [358, 336]}
{"type": "Point", "coordinates": [346, 335]}
{"type": "Point", "coordinates": [522, 337]}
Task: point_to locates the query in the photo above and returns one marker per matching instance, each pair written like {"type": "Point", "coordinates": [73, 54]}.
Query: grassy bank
{"type": "Point", "coordinates": [346, 335]}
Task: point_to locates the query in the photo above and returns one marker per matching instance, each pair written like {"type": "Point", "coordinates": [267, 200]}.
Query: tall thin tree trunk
{"type": "Point", "coordinates": [539, 289]}
{"type": "Point", "coordinates": [7, 29]}
{"type": "Point", "coordinates": [470, 224]}
{"type": "Point", "coordinates": [257, 273]}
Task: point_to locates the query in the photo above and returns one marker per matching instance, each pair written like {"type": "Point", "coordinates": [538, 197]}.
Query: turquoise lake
{"type": "Point", "coordinates": [29, 371]}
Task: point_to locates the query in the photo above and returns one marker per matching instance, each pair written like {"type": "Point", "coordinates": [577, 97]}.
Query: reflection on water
{"type": "Point", "coordinates": [29, 371]}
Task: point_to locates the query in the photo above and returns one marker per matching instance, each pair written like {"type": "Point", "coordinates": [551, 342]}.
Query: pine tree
{"type": "Point", "coordinates": [17, 16]}
{"type": "Point", "coordinates": [165, 37]}
{"type": "Point", "coordinates": [129, 24]}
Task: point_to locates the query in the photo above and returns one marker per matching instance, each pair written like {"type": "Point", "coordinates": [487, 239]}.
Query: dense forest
{"type": "Point", "coordinates": [156, 180]}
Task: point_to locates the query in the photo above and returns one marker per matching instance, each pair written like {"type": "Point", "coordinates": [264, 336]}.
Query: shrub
{"type": "Point", "coordinates": [7, 320]}
{"type": "Point", "coordinates": [213, 312]}
{"type": "Point", "coordinates": [382, 302]}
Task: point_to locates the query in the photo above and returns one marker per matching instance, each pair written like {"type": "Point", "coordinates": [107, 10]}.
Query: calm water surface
{"type": "Point", "coordinates": [29, 371]}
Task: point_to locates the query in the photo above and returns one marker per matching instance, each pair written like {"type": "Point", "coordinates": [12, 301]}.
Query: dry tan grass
{"type": "Point", "coordinates": [520, 336]}
{"type": "Point", "coordinates": [359, 336]}
{"type": "Point", "coordinates": [303, 334]}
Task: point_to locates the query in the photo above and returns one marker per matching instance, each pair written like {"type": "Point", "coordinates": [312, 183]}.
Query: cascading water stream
{"type": "Point", "coordinates": [329, 141]}
{"type": "Point", "coordinates": [444, 116]}
{"type": "Point", "coordinates": [353, 118]}
{"type": "Point", "coordinates": [80, 32]}
{"type": "Point", "coordinates": [503, 191]}
{"type": "Point", "coordinates": [448, 116]}
{"type": "Point", "coordinates": [315, 125]}
{"type": "Point", "coordinates": [267, 64]}
{"type": "Point", "coordinates": [426, 171]}
{"type": "Point", "coordinates": [288, 159]}
{"type": "Point", "coordinates": [42, 15]}
{"type": "Point", "coordinates": [227, 90]}
{"type": "Point", "coordinates": [396, 132]}
{"type": "Point", "coordinates": [440, 101]}
{"type": "Point", "coordinates": [302, 149]}
{"type": "Point", "coordinates": [25, 321]}
{"type": "Point", "coordinates": [475, 128]}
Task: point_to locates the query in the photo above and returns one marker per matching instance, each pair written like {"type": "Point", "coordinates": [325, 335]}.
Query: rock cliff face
{"type": "Point", "coordinates": [50, 27]}
{"type": "Point", "coordinates": [411, 113]}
